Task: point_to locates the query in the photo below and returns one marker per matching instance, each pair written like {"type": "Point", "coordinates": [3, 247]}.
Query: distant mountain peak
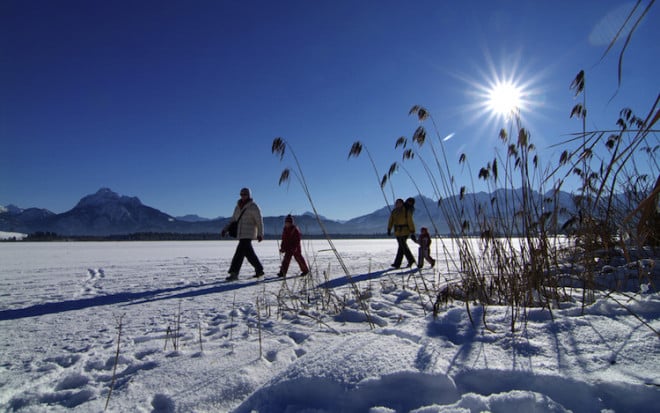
{"type": "Point", "coordinates": [108, 213]}
{"type": "Point", "coordinates": [104, 196]}
{"type": "Point", "coordinates": [192, 218]}
{"type": "Point", "coordinates": [313, 215]}
{"type": "Point", "coordinates": [11, 209]}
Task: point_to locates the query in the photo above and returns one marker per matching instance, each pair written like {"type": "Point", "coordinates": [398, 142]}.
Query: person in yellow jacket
{"type": "Point", "coordinates": [401, 220]}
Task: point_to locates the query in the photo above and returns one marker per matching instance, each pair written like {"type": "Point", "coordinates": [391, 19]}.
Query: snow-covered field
{"type": "Point", "coordinates": [239, 348]}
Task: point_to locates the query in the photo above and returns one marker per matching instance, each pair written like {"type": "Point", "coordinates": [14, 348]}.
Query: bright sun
{"type": "Point", "coordinates": [504, 99]}
{"type": "Point", "coordinates": [504, 95]}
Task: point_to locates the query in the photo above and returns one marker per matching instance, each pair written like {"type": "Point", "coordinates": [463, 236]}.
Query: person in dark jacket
{"type": "Point", "coordinates": [250, 227]}
{"type": "Point", "coordinates": [290, 246]}
{"type": "Point", "coordinates": [410, 205]}
{"type": "Point", "coordinates": [404, 226]}
{"type": "Point", "coordinates": [424, 241]}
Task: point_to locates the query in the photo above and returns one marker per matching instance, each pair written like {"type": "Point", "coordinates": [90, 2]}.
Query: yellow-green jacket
{"type": "Point", "coordinates": [402, 222]}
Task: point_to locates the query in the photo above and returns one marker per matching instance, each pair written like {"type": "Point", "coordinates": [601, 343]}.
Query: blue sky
{"type": "Point", "coordinates": [177, 102]}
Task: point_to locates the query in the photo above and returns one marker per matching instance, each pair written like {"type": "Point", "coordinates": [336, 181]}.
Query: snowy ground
{"type": "Point", "coordinates": [241, 349]}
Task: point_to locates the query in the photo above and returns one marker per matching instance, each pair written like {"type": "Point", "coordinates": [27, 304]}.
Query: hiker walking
{"type": "Point", "coordinates": [404, 226]}
{"type": "Point", "coordinates": [290, 246]}
{"type": "Point", "coordinates": [424, 241]}
{"type": "Point", "coordinates": [249, 226]}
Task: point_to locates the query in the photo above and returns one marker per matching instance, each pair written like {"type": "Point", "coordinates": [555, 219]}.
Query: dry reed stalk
{"type": "Point", "coordinates": [116, 361]}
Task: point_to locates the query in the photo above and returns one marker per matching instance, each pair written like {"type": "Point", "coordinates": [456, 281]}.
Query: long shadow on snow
{"type": "Point", "coordinates": [222, 287]}
{"type": "Point", "coordinates": [218, 288]}
{"type": "Point", "coordinates": [148, 296]}
{"type": "Point", "coordinates": [110, 299]}
{"type": "Point", "coordinates": [341, 281]}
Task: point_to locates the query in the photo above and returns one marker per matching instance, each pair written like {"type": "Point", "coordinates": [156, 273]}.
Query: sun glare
{"type": "Point", "coordinates": [504, 94]}
{"type": "Point", "coordinates": [504, 99]}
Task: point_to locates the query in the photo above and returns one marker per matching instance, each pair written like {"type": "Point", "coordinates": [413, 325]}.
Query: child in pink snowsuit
{"type": "Point", "coordinates": [291, 247]}
{"type": "Point", "coordinates": [424, 242]}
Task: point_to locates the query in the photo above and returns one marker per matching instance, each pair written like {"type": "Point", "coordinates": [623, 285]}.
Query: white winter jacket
{"type": "Point", "coordinates": [251, 224]}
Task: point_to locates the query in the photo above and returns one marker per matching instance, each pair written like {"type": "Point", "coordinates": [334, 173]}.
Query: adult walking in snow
{"type": "Point", "coordinates": [409, 206]}
{"type": "Point", "coordinates": [249, 226]}
{"type": "Point", "coordinates": [290, 246]}
{"type": "Point", "coordinates": [402, 222]}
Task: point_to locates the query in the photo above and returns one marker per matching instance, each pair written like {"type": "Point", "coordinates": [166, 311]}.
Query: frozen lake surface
{"type": "Point", "coordinates": [192, 342]}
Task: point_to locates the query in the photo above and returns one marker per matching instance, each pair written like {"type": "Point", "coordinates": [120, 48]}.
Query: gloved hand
{"type": "Point", "coordinates": [413, 237]}
{"type": "Point", "coordinates": [259, 238]}
{"type": "Point", "coordinates": [389, 232]}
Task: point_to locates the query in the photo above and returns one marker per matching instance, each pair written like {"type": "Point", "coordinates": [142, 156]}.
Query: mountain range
{"type": "Point", "coordinates": [107, 213]}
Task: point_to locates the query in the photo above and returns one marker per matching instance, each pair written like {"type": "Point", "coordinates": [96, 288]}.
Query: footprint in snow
{"type": "Point", "coordinates": [95, 273]}
{"type": "Point", "coordinates": [93, 282]}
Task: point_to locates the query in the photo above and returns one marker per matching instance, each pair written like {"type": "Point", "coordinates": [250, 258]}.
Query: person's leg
{"type": "Point", "coordinates": [406, 252]}
{"type": "Point", "coordinates": [252, 257]}
{"type": "Point", "coordinates": [399, 252]}
{"type": "Point", "coordinates": [427, 257]}
{"type": "Point", "coordinates": [237, 260]}
{"type": "Point", "coordinates": [301, 262]}
{"type": "Point", "coordinates": [285, 263]}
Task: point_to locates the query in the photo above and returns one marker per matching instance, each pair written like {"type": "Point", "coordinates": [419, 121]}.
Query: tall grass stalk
{"type": "Point", "coordinates": [518, 256]}
{"type": "Point", "coordinates": [120, 325]}
{"type": "Point", "coordinates": [199, 331]}
{"type": "Point", "coordinates": [356, 150]}
{"type": "Point", "coordinates": [279, 147]}
{"type": "Point", "coordinates": [510, 261]}
{"type": "Point", "coordinates": [259, 328]}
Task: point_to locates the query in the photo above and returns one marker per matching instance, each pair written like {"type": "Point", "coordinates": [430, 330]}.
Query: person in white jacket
{"type": "Point", "coordinates": [250, 227]}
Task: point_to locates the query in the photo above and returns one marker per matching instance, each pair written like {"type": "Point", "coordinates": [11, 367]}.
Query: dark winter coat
{"type": "Point", "coordinates": [290, 239]}
{"type": "Point", "coordinates": [424, 240]}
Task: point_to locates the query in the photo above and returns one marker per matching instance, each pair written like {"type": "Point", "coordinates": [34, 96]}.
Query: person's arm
{"type": "Point", "coordinates": [234, 217]}
{"type": "Point", "coordinates": [411, 223]}
{"type": "Point", "coordinates": [260, 223]}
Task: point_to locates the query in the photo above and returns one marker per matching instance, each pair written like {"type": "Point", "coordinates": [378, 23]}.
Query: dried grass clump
{"type": "Point", "coordinates": [529, 245]}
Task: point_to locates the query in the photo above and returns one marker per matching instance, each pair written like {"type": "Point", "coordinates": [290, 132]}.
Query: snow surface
{"type": "Point", "coordinates": [240, 348]}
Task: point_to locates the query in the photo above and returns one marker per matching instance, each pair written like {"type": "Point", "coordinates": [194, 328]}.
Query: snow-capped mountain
{"type": "Point", "coordinates": [106, 196]}
{"type": "Point", "coordinates": [108, 213]}
{"type": "Point", "coordinates": [12, 209]}
{"type": "Point", "coordinates": [100, 214]}
{"type": "Point", "coordinates": [192, 218]}
{"type": "Point", "coordinates": [14, 219]}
